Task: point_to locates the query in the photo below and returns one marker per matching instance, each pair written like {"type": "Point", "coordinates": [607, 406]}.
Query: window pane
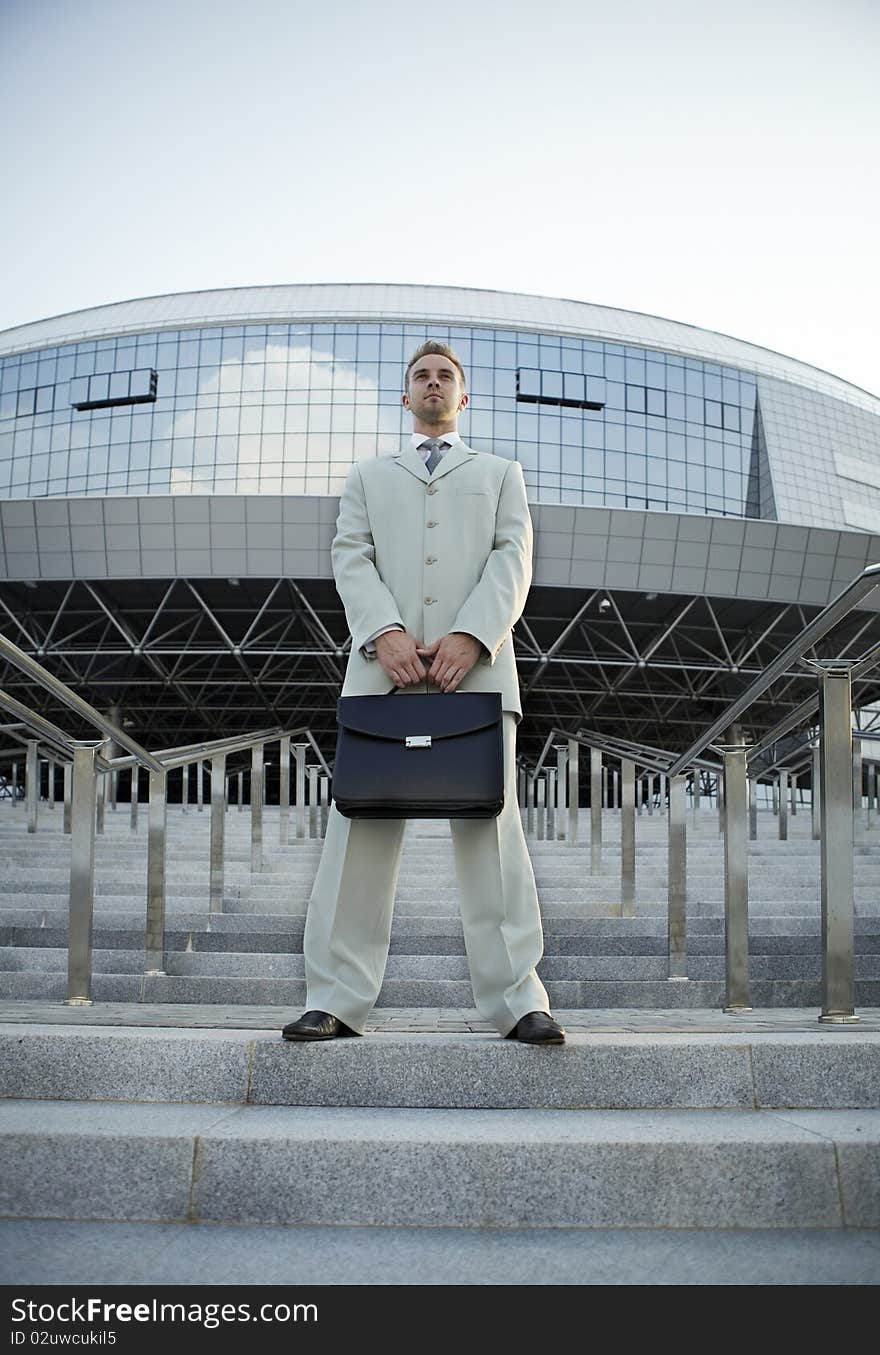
{"type": "Point", "coordinates": [529, 381]}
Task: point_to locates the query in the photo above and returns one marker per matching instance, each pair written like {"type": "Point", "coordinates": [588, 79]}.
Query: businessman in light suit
{"type": "Point", "coordinates": [432, 559]}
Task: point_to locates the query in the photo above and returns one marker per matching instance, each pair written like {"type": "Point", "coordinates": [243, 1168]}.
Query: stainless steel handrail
{"type": "Point", "coordinates": [827, 619]}
{"type": "Point", "coordinates": [82, 799]}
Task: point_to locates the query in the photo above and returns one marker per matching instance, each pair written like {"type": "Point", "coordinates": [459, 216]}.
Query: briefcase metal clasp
{"type": "Point", "coordinates": [418, 740]}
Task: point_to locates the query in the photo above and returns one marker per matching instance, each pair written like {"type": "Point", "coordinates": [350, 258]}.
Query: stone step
{"type": "Point", "coordinates": [594, 994]}
{"type": "Point", "coordinates": [49, 1251]}
{"type": "Point", "coordinates": [448, 924]}
{"type": "Point", "coordinates": [277, 965]}
{"type": "Point", "coordinates": [331, 1166]}
{"type": "Point", "coordinates": [828, 1068]}
{"type": "Point", "coordinates": [447, 942]}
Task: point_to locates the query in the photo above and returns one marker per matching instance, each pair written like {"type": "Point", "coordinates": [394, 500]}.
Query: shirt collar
{"type": "Point", "coordinates": [418, 438]}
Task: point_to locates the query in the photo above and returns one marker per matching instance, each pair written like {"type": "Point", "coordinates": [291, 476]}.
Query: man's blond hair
{"type": "Point", "coordinates": [433, 348]}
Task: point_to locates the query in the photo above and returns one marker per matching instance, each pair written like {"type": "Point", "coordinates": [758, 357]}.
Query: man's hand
{"type": "Point", "coordinates": [453, 658]}
{"type": "Point", "coordinates": [396, 650]}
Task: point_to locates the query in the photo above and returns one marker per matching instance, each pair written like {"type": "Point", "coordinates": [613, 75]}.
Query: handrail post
{"type": "Point", "coordinates": [595, 811]}
{"type": "Point", "coordinates": [156, 873]}
{"type": "Point", "coordinates": [324, 802]}
{"type": "Point", "coordinates": [561, 785]}
{"type": "Point", "coordinates": [284, 791]}
{"type": "Point", "coordinates": [783, 805]}
{"type": "Point", "coordinates": [677, 880]}
{"type": "Point", "coordinates": [649, 793]}
{"type": "Point", "coordinates": [662, 793]}
{"type": "Point", "coordinates": [793, 786]}
{"type": "Point", "coordinates": [753, 809]}
{"type": "Point", "coordinates": [300, 752]}
{"type": "Point", "coordinates": [838, 822]}
{"type": "Point", "coordinates": [68, 788]}
{"type": "Point", "coordinates": [550, 775]}
{"type": "Point", "coordinates": [541, 807]}
{"type": "Point", "coordinates": [736, 880]}
{"type": "Point", "coordinates": [531, 796]}
{"type": "Point", "coordinates": [50, 789]}
{"type": "Point", "coordinates": [32, 784]}
{"type": "Point", "coordinates": [134, 796]}
{"type": "Point", "coordinates": [313, 801]}
{"type": "Point", "coordinates": [857, 775]}
{"type": "Point", "coordinates": [184, 789]}
{"type": "Point", "coordinates": [218, 826]}
{"type": "Point", "coordinates": [573, 790]}
{"type": "Point", "coordinates": [239, 780]}
{"type": "Point", "coordinates": [627, 838]}
{"type": "Point", "coordinates": [257, 807]}
{"type": "Point", "coordinates": [815, 792]}
{"type": "Point", "coordinates": [720, 796]}
{"type": "Point", "coordinates": [200, 786]}
{"type": "Point", "coordinates": [99, 816]}
{"type": "Point", "coordinates": [82, 877]}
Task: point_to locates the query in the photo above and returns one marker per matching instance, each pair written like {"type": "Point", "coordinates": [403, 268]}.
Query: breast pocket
{"type": "Point", "coordinates": [474, 510]}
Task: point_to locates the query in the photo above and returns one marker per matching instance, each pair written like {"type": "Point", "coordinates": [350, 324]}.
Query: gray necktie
{"type": "Point", "coordinates": [437, 449]}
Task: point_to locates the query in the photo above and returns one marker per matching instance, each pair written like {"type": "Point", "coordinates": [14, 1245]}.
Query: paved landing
{"type": "Point", "coordinates": [776, 1020]}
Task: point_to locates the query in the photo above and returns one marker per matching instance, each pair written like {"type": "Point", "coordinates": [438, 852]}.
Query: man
{"type": "Point", "coordinates": [432, 559]}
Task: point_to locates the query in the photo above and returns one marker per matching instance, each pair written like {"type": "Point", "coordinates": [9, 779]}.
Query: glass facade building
{"type": "Point", "coordinates": [280, 394]}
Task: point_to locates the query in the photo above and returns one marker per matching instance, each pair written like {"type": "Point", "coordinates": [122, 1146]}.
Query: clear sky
{"type": "Point", "coordinates": [715, 163]}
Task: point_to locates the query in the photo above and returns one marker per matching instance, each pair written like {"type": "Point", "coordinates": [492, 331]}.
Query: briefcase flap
{"type": "Point", "coordinates": [396, 717]}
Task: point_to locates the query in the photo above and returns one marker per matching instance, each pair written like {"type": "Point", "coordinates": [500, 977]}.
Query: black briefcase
{"type": "Point", "coordinates": [419, 756]}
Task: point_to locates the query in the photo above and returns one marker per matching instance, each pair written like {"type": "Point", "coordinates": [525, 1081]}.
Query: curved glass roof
{"type": "Point", "coordinates": [411, 304]}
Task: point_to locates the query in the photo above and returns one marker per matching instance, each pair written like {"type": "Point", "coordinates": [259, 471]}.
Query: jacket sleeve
{"type": "Point", "coordinates": [497, 602]}
{"type": "Point", "coordinates": [368, 603]}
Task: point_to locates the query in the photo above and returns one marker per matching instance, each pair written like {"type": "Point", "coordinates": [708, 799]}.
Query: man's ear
{"type": "Point", "coordinates": [404, 400]}
{"type": "Point", "coordinates": [464, 402]}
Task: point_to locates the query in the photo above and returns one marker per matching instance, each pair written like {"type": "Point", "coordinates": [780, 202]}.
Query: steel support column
{"type": "Point", "coordinates": [736, 880]}
{"type": "Point", "coordinates": [595, 811]}
{"type": "Point", "coordinates": [156, 873]}
{"type": "Point", "coordinates": [627, 838]}
{"type": "Point", "coordinates": [573, 790]}
{"type": "Point", "coordinates": [82, 877]}
{"type": "Point", "coordinates": [836, 771]}
{"type": "Point", "coordinates": [677, 879]}
{"type": "Point", "coordinates": [32, 784]}
{"type": "Point", "coordinates": [218, 829]}
{"type": "Point", "coordinates": [284, 791]}
{"type": "Point", "coordinates": [257, 807]}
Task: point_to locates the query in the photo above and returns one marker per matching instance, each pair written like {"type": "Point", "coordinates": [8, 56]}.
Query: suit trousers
{"type": "Point", "coordinates": [348, 924]}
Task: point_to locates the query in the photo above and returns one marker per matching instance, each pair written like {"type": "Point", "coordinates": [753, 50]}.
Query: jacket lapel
{"type": "Point", "coordinates": [411, 460]}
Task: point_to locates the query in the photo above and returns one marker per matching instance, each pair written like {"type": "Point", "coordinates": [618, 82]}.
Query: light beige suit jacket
{"type": "Point", "coordinates": [435, 553]}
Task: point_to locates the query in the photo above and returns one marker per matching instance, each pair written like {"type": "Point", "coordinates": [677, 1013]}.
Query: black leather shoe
{"type": "Point", "coordinates": [316, 1026]}
{"type": "Point", "coordinates": [537, 1028]}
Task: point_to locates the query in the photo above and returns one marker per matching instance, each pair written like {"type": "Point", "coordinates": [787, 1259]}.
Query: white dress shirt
{"type": "Point", "coordinates": [418, 441]}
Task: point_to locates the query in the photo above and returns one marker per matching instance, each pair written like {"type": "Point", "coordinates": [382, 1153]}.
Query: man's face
{"type": "Point", "coordinates": [434, 394]}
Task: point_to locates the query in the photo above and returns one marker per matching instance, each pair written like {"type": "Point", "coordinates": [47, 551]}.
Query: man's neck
{"type": "Point", "coordinates": [423, 430]}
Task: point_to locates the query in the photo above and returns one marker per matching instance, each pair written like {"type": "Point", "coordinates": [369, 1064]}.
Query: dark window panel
{"type": "Point", "coordinates": [713, 413]}
{"type": "Point", "coordinates": [656, 401]}
{"type": "Point", "coordinates": [26, 401]}
{"type": "Point", "coordinates": [635, 399]}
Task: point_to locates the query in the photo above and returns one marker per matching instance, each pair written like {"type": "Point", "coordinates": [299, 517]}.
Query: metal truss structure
{"type": "Point", "coordinates": [189, 659]}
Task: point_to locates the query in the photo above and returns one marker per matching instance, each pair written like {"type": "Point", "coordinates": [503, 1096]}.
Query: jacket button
{"type": "Point", "coordinates": [430, 559]}
{"type": "Point", "coordinates": [430, 600]}
{"type": "Point", "coordinates": [432, 489]}
{"type": "Point", "coordinates": [430, 524]}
